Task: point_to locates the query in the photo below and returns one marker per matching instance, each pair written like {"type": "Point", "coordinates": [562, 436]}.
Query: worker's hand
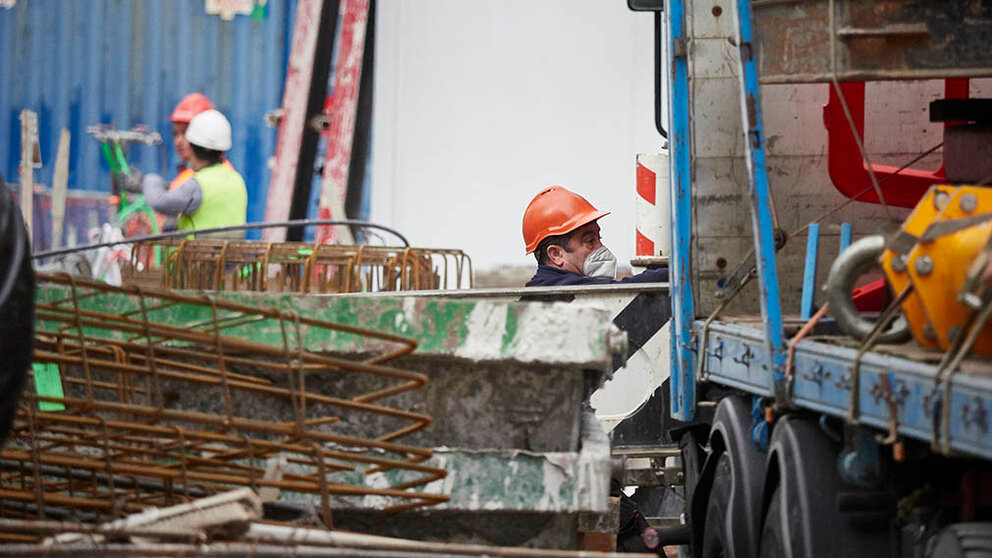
{"type": "Point", "coordinates": [131, 182]}
{"type": "Point", "coordinates": [650, 538]}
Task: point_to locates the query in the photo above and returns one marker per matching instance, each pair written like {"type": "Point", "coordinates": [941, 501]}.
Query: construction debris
{"type": "Point", "coordinates": [227, 525]}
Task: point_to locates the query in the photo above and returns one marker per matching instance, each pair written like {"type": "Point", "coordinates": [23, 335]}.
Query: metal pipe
{"type": "Point", "coordinates": [762, 209]}
{"type": "Point", "coordinates": [41, 527]}
{"type": "Point", "coordinates": [231, 228]}
{"type": "Point", "coordinates": [683, 381]}
{"type": "Point", "coordinates": [279, 534]}
{"type": "Point", "coordinates": [277, 551]}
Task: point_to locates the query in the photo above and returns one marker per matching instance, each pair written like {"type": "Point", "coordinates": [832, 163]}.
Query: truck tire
{"type": "Point", "coordinates": [726, 507]}
{"type": "Point", "coordinates": [16, 309]}
{"type": "Point", "coordinates": [801, 518]}
{"type": "Point", "coordinates": [691, 452]}
{"type": "Point", "coordinates": [962, 540]}
{"type": "Point", "coordinates": [715, 538]}
{"type": "Point", "coordinates": [772, 539]}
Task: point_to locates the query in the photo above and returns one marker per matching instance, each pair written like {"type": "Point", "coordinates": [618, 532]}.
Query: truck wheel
{"type": "Point", "coordinates": [726, 509]}
{"type": "Point", "coordinates": [715, 543]}
{"type": "Point", "coordinates": [691, 463]}
{"type": "Point", "coordinates": [773, 536]}
{"type": "Point", "coordinates": [802, 518]}
{"type": "Point", "coordinates": [16, 309]}
{"type": "Point", "coordinates": [962, 540]}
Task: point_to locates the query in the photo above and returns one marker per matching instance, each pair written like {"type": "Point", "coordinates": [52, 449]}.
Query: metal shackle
{"type": "Point", "coordinates": [859, 258]}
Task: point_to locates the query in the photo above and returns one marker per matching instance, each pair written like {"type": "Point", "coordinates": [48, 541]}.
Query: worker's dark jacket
{"type": "Point", "coordinates": [548, 276]}
{"type": "Point", "coordinates": [632, 523]}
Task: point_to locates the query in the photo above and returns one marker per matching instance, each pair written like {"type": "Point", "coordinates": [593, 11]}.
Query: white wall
{"type": "Point", "coordinates": [480, 104]}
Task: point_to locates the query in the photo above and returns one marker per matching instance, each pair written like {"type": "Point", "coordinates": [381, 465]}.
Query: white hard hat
{"type": "Point", "coordinates": [210, 130]}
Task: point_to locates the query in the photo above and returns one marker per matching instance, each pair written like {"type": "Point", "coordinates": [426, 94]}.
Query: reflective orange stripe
{"type": "Point", "coordinates": [188, 173]}
{"type": "Point", "coordinates": [183, 176]}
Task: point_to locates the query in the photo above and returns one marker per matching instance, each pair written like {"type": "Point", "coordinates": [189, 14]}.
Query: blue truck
{"type": "Point", "coordinates": [815, 419]}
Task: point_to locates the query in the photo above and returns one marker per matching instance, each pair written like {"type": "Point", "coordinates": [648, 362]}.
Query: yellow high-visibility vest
{"type": "Point", "coordinates": [224, 203]}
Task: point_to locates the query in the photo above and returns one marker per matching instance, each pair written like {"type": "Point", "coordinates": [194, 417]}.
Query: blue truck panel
{"type": "Point", "coordinates": [888, 387]}
{"type": "Point", "coordinates": [683, 392]}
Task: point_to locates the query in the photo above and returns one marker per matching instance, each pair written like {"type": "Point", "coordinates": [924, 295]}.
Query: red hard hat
{"type": "Point", "coordinates": [190, 106]}
{"type": "Point", "coordinates": [556, 211]}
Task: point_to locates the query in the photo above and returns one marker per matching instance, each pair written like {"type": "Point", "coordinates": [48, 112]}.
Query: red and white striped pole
{"type": "Point", "coordinates": [294, 113]}
{"type": "Point", "coordinates": [342, 108]}
{"type": "Point", "coordinates": [653, 211]}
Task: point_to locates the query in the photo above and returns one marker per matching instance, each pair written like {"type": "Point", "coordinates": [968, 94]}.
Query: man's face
{"type": "Point", "coordinates": [583, 241]}
{"type": "Point", "coordinates": [180, 143]}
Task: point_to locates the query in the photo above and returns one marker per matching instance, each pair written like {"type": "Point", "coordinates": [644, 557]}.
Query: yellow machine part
{"type": "Point", "coordinates": [937, 269]}
{"type": "Point", "coordinates": [923, 214]}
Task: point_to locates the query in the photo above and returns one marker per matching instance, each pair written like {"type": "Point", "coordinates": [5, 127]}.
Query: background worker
{"type": "Point", "coordinates": [190, 106]}
{"type": "Point", "coordinates": [560, 227]}
{"type": "Point", "coordinates": [215, 194]}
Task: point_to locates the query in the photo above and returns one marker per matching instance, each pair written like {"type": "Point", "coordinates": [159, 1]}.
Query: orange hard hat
{"type": "Point", "coordinates": [556, 211]}
{"type": "Point", "coordinates": [190, 106]}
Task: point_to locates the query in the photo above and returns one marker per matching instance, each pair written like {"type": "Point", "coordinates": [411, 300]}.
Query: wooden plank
{"type": "Point", "coordinates": [29, 139]}
{"type": "Point", "coordinates": [60, 183]}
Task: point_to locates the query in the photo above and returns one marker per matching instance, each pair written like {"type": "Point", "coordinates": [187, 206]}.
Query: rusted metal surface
{"type": "Point", "coordinates": [297, 267]}
{"type": "Point", "coordinates": [341, 108]}
{"type": "Point", "coordinates": [883, 39]}
{"type": "Point", "coordinates": [292, 120]}
{"type": "Point", "coordinates": [148, 409]}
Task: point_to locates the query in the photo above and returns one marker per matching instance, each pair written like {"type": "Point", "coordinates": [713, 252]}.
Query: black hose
{"type": "Point", "coordinates": [231, 228]}
{"type": "Point", "coordinates": [657, 76]}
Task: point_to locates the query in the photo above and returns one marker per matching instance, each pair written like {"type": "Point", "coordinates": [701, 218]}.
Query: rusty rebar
{"type": "Point", "coordinates": [165, 395]}
{"type": "Point", "coordinates": [297, 267]}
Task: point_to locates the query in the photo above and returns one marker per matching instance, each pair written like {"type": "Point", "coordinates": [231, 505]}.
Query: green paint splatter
{"type": "Point", "coordinates": [510, 333]}
{"type": "Point", "coordinates": [566, 493]}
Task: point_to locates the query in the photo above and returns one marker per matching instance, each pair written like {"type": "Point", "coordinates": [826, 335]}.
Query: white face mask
{"type": "Point", "coordinates": [600, 263]}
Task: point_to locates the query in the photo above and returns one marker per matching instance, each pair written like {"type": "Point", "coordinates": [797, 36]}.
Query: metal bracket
{"type": "Point", "coordinates": [817, 376]}
{"type": "Point", "coordinates": [717, 353]}
{"type": "Point", "coordinates": [974, 413]}
{"type": "Point", "coordinates": [746, 357]}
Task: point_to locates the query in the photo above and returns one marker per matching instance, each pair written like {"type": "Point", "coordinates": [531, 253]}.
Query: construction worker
{"type": "Point", "coordinates": [215, 194]}
{"type": "Point", "coordinates": [560, 227]}
{"type": "Point", "coordinates": [190, 106]}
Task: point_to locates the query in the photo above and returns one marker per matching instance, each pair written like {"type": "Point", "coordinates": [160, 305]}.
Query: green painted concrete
{"type": "Point", "coordinates": [503, 480]}
{"type": "Point", "coordinates": [464, 328]}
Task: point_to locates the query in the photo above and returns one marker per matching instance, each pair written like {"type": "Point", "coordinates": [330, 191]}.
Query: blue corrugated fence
{"type": "Point", "coordinates": [127, 62]}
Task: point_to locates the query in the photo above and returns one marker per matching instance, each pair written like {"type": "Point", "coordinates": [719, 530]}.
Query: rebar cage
{"type": "Point", "coordinates": [296, 267]}
{"type": "Point", "coordinates": [147, 397]}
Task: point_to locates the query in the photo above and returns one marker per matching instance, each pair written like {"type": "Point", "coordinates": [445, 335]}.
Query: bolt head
{"type": "Point", "coordinates": [898, 263]}
{"type": "Point", "coordinates": [941, 199]}
{"type": "Point", "coordinates": [929, 332]}
{"type": "Point", "coordinates": [968, 203]}
{"type": "Point", "coordinates": [924, 265]}
{"type": "Point", "coordinates": [953, 333]}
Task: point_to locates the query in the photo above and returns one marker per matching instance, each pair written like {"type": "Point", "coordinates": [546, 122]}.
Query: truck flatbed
{"type": "Point", "coordinates": [897, 388]}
